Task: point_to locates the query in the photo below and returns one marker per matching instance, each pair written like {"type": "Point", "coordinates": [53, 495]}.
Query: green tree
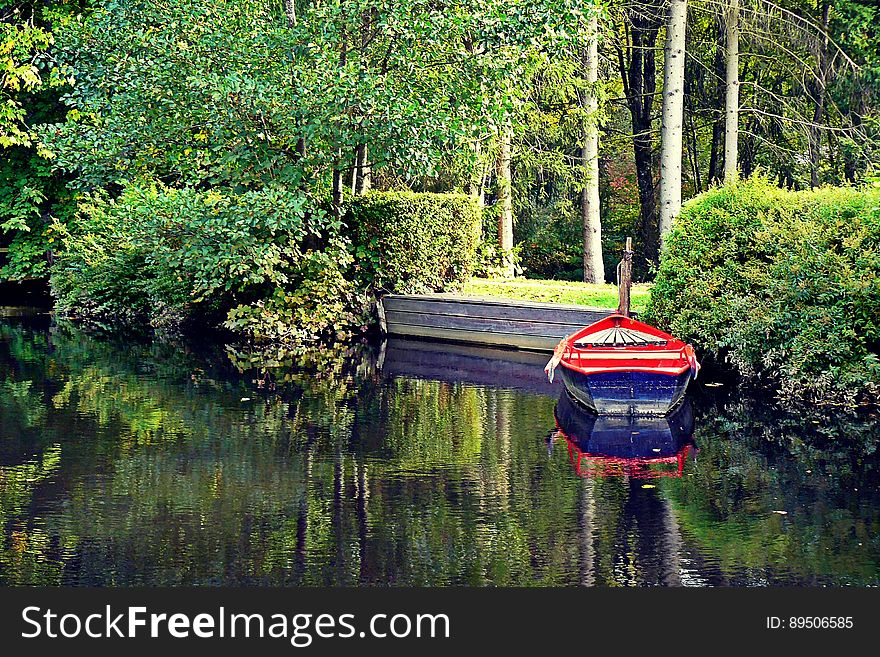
{"type": "Point", "coordinates": [30, 88]}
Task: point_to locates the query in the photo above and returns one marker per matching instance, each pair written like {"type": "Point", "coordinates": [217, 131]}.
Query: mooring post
{"type": "Point", "coordinates": [624, 278]}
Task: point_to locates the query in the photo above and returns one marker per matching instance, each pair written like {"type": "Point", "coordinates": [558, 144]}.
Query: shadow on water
{"type": "Point", "coordinates": [24, 298]}
{"type": "Point", "coordinates": [127, 462]}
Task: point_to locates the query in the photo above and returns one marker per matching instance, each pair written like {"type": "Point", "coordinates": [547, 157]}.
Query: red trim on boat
{"type": "Point", "coordinates": [597, 465]}
{"type": "Point", "coordinates": [674, 357]}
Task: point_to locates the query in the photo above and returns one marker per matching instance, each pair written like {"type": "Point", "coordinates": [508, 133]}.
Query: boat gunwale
{"type": "Point", "coordinates": [665, 371]}
{"type": "Point", "coordinates": [636, 352]}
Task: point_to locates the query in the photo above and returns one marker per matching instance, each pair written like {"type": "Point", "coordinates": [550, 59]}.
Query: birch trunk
{"type": "Point", "coordinates": [290, 12]}
{"type": "Point", "coordinates": [731, 94]}
{"type": "Point", "coordinates": [505, 198]}
{"type": "Point", "coordinates": [594, 268]}
{"type": "Point", "coordinates": [673, 117]}
{"type": "Point", "coordinates": [337, 192]}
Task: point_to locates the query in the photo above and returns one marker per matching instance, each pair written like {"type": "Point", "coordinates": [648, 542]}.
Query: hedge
{"type": "Point", "coordinates": [783, 285]}
{"type": "Point", "coordinates": [415, 242]}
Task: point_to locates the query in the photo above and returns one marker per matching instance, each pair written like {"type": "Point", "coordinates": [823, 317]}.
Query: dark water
{"type": "Point", "coordinates": [126, 462]}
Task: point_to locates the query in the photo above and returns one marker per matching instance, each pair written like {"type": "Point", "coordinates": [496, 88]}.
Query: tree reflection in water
{"type": "Point", "coordinates": [126, 462]}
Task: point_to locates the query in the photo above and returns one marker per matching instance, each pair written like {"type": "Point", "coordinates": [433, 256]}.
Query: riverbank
{"type": "Point", "coordinates": [571, 292]}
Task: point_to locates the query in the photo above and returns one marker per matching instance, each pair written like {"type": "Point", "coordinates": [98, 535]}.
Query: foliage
{"type": "Point", "coordinates": [235, 91]}
{"type": "Point", "coordinates": [553, 123]}
{"type": "Point", "coordinates": [31, 192]}
{"type": "Point", "coordinates": [326, 303]}
{"type": "Point", "coordinates": [101, 272]}
{"type": "Point", "coordinates": [23, 44]}
{"type": "Point", "coordinates": [783, 285]}
{"type": "Point", "coordinates": [491, 261]}
{"type": "Point", "coordinates": [409, 242]}
{"type": "Point", "coordinates": [238, 97]}
{"type": "Point", "coordinates": [552, 242]}
{"type": "Point", "coordinates": [170, 255]}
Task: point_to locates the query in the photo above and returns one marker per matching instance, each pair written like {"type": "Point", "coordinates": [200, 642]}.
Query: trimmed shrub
{"type": "Point", "coordinates": [785, 286]}
{"type": "Point", "coordinates": [415, 242]}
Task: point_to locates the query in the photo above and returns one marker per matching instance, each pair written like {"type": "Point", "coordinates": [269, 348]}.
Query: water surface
{"type": "Point", "coordinates": [127, 462]}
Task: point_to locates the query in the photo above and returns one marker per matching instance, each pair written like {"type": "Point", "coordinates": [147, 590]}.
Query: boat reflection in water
{"type": "Point", "coordinates": [640, 447]}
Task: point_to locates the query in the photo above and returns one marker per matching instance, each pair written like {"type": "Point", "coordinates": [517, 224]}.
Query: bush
{"type": "Point", "coordinates": [325, 303]}
{"type": "Point", "coordinates": [415, 242]}
{"type": "Point", "coordinates": [783, 285]}
{"type": "Point", "coordinates": [166, 256]}
{"type": "Point", "coordinates": [101, 271]}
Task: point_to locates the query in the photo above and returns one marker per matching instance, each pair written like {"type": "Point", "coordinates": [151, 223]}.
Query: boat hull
{"type": "Point", "coordinates": [627, 392]}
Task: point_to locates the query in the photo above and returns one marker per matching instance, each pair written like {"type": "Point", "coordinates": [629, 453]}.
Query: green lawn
{"type": "Point", "coordinates": [583, 294]}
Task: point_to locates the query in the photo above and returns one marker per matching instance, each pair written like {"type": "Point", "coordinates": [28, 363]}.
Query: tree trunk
{"type": "Point", "coordinates": [337, 182]}
{"type": "Point", "coordinates": [290, 12]}
{"type": "Point", "coordinates": [361, 175]}
{"type": "Point", "coordinates": [624, 283]}
{"type": "Point", "coordinates": [693, 148]}
{"type": "Point", "coordinates": [337, 192]}
{"type": "Point", "coordinates": [716, 154]}
{"type": "Point", "coordinates": [673, 117]}
{"type": "Point", "coordinates": [644, 161]}
{"type": "Point", "coordinates": [594, 268]}
{"type": "Point", "coordinates": [815, 132]}
{"type": "Point", "coordinates": [850, 160]}
{"type": "Point", "coordinates": [361, 181]}
{"type": "Point", "coordinates": [731, 94]}
{"type": "Point", "coordinates": [475, 184]}
{"type": "Point", "coordinates": [638, 72]}
{"type": "Point", "coordinates": [504, 194]}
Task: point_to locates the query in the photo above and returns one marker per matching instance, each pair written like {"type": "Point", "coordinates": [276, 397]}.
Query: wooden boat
{"type": "Point", "coordinates": [621, 366]}
{"type": "Point", "coordinates": [638, 447]}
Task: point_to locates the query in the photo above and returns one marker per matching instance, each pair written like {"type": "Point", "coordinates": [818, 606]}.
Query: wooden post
{"type": "Point", "coordinates": [624, 278]}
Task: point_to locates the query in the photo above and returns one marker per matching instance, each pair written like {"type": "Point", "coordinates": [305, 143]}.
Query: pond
{"type": "Point", "coordinates": [129, 462]}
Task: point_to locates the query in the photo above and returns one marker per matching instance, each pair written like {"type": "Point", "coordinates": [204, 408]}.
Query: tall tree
{"type": "Point", "coordinates": [637, 62]}
{"type": "Point", "coordinates": [731, 94]}
{"type": "Point", "coordinates": [504, 194]}
{"type": "Point", "coordinates": [673, 116]}
{"type": "Point", "coordinates": [715, 101]}
{"type": "Point", "coordinates": [594, 267]}
{"type": "Point", "coordinates": [818, 89]}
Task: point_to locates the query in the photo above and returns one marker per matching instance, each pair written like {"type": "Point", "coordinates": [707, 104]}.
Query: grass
{"type": "Point", "coordinates": [582, 294]}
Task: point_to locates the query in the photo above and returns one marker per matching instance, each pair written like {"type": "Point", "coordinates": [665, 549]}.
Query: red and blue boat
{"type": "Point", "coordinates": [621, 366]}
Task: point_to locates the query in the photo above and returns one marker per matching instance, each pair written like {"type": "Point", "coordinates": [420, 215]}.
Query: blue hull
{"type": "Point", "coordinates": [627, 393]}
